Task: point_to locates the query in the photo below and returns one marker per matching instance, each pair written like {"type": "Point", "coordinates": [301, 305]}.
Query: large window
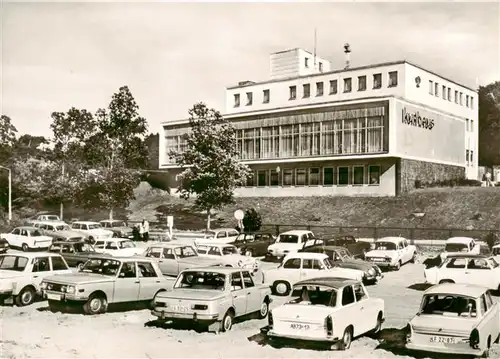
{"type": "Point", "coordinates": [327, 138]}
{"type": "Point", "coordinates": [343, 176]}
{"type": "Point", "coordinates": [350, 136]}
{"type": "Point", "coordinates": [374, 175]}
{"type": "Point", "coordinates": [172, 144]}
{"type": "Point", "coordinates": [262, 178]}
{"type": "Point", "coordinates": [274, 178]}
{"type": "Point", "coordinates": [348, 84]}
{"type": "Point", "coordinates": [301, 176]}
{"type": "Point", "coordinates": [328, 176]}
{"type": "Point", "coordinates": [288, 177]}
{"type": "Point", "coordinates": [270, 142]}
{"type": "Point", "coordinates": [309, 139]}
{"type": "Point", "coordinates": [358, 175]}
{"type": "Point", "coordinates": [251, 180]}
{"type": "Point", "coordinates": [374, 134]}
{"type": "Point", "coordinates": [313, 176]}
{"type": "Point", "coordinates": [290, 140]}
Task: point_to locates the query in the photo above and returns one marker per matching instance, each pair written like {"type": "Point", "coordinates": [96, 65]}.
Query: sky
{"type": "Point", "coordinates": [171, 55]}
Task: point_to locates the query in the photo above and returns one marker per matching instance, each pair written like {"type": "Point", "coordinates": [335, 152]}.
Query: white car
{"type": "Point", "coordinates": [229, 255]}
{"type": "Point", "coordinates": [22, 273]}
{"type": "Point", "coordinates": [291, 242]}
{"type": "Point", "coordinates": [219, 235]}
{"type": "Point", "coordinates": [27, 238]}
{"type": "Point", "coordinates": [455, 245]}
{"type": "Point", "coordinates": [305, 265]}
{"type": "Point", "coordinates": [93, 230]}
{"type": "Point", "coordinates": [329, 310]}
{"type": "Point", "coordinates": [456, 319]}
{"type": "Point", "coordinates": [495, 251]}
{"type": "Point", "coordinates": [467, 269]}
{"type": "Point", "coordinates": [392, 252]}
{"type": "Point", "coordinates": [118, 247]}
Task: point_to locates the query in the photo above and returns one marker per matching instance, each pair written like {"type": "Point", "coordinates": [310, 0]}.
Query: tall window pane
{"type": "Point", "coordinates": [350, 136]}
{"type": "Point", "coordinates": [358, 175]}
{"type": "Point", "coordinates": [172, 144]}
{"type": "Point", "coordinates": [269, 141]}
{"type": "Point", "coordinates": [301, 176]}
{"type": "Point", "coordinates": [239, 142]}
{"type": "Point", "coordinates": [374, 134]}
{"type": "Point", "coordinates": [309, 141]}
{"type": "Point", "coordinates": [288, 177]}
{"type": "Point", "coordinates": [343, 176]}
{"type": "Point", "coordinates": [327, 142]}
{"type": "Point", "coordinates": [361, 136]}
{"type": "Point", "coordinates": [338, 136]}
{"type": "Point", "coordinates": [374, 174]}
{"type": "Point", "coordinates": [248, 144]}
{"type": "Point", "coordinates": [314, 176]}
{"type": "Point", "coordinates": [328, 178]}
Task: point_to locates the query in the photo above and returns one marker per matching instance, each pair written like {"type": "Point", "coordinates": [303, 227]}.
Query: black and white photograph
{"type": "Point", "coordinates": [194, 179]}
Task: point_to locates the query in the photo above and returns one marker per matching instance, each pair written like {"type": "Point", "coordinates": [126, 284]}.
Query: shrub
{"type": "Point", "coordinates": [252, 221]}
{"type": "Point", "coordinates": [158, 180]}
{"type": "Point", "coordinates": [491, 239]}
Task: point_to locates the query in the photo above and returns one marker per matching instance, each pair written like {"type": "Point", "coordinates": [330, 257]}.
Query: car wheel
{"type": "Point", "coordinates": [25, 297]}
{"type": "Point", "coordinates": [227, 321]}
{"type": "Point", "coordinates": [79, 266]}
{"type": "Point", "coordinates": [25, 247]}
{"type": "Point", "coordinates": [486, 353]}
{"type": "Point", "coordinates": [345, 342]}
{"type": "Point", "coordinates": [446, 281]}
{"type": "Point", "coordinates": [281, 288]}
{"type": "Point", "coordinates": [96, 304]}
{"type": "Point", "coordinates": [249, 253]}
{"type": "Point", "coordinates": [264, 309]}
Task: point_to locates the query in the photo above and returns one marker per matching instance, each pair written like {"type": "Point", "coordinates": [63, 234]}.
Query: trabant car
{"type": "Point", "coordinates": [103, 281]}
{"type": "Point", "coordinates": [457, 245]}
{"type": "Point", "coordinates": [27, 238]}
{"type": "Point", "coordinates": [213, 297]}
{"type": "Point", "coordinates": [290, 242]}
{"type": "Point", "coordinates": [457, 319]}
{"type": "Point", "coordinates": [329, 310]}
{"type": "Point", "coordinates": [228, 254]}
{"type": "Point", "coordinates": [22, 273]}
{"type": "Point", "coordinates": [173, 257]}
{"type": "Point", "coordinates": [120, 247]}
{"type": "Point", "coordinates": [392, 253]}
{"type": "Point", "coordinates": [300, 266]}
{"type": "Point", "coordinates": [355, 246]}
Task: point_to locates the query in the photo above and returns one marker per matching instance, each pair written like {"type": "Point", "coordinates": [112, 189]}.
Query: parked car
{"type": "Point", "coordinates": [4, 245]}
{"type": "Point", "coordinates": [119, 228]}
{"type": "Point", "coordinates": [495, 252]}
{"type": "Point", "coordinates": [173, 258]}
{"type": "Point", "coordinates": [59, 231]}
{"type": "Point", "coordinates": [329, 310]}
{"type": "Point", "coordinates": [93, 230]}
{"type": "Point", "coordinates": [467, 269]}
{"type": "Point", "coordinates": [290, 242]}
{"type": "Point", "coordinates": [229, 255]}
{"type": "Point", "coordinates": [27, 238]}
{"type": "Point", "coordinates": [455, 245]}
{"type": "Point", "coordinates": [105, 280]}
{"type": "Point", "coordinates": [356, 247]}
{"type": "Point", "coordinates": [43, 217]}
{"type": "Point", "coordinates": [219, 235]}
{"type": "Point", "coordinates": [213, 297]}
{"type": "Point", "coordinates": [119, 247]}
{"type": "Point", "coordinates": [22, 273]}
{"type": "Point", "coordinates": [76, 253]}
{"type": "Point", "coordinates": [341, 257]}
{"type": "Point", "coordinates": [392, 252]}
{"type": "Point", "coordinates": [254, 244]}
{"type": "Point", "coordinates": [456, 319]}
{"type": "Point", "coordinates": [300, 266]}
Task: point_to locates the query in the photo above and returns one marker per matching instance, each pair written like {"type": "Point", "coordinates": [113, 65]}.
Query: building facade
{"type": "Point", "coordinates": [374, 130]}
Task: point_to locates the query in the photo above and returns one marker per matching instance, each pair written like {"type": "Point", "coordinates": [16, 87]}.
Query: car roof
{"type": "Point", "coordinates": [296, 232]}
{"type": "Point", "coordinates": [390, 239]}
{"type": "Point", "coordinates": [332, 282]}
{"type": "Point", "coordinates": [30, 228]}
{"type": "Point", "coordinates": [113, 239]}
{"type": "Point", "coordinates": [214, 244]}
{"type": "Point", "coordinates": [69, 241]}
{"type": "Point", "coordinates": [52, 223]}
{"type": "Point", "coordinates": [31, 255]}
{"type": "Point", "coordinates": [221, 229]}
{"type": "Point", "coordinates": [307, 255]}
{"type": "Point", "coordinates": [459, 239]}
{"type": "Point", "coordinates": [112, 220]}
{"type": "Point", "coordinates": [338, 248]}
{"type": "Point", "coordinates": [170, 244]}
{"type": "Point", "coordinates": [467, 255]}
{"type": "Point", "coordinates": [85, 222]}
{"type": "Point", "coordinates": [222, 270]}
{"type": "Point", "coordinates": [470, 290]}
{"type": "Point", "coordinates": [125, 259]}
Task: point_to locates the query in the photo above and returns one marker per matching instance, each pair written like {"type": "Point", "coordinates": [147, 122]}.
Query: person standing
{"type": "Point", "coordinates": [141, 230]}
{"type": "Point", "coordinates": [488, 179]}
{"type": "Point", "coordinates": [145, 230]}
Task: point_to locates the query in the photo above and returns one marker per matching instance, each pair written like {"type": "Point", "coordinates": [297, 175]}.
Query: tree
{"type": "Point", "coordinates": [489, 124]}
{"type": "Point", "coordinates": [211, 169]}
{"type": "Point", "coordinates": [7, 138]}
{"type": "Point", "coordinates": [115, 151]}
{"type": "Point", "coordinates": [252, 221]}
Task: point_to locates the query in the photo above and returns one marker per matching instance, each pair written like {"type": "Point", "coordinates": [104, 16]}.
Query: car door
{"type": "Point", "coordinates": [238, 293]}
{"type": "Point", "coordinates": [221, 236]}
{"type": "Point", "coordinates": [58, 265]}
{"type": "Point", "coordinates": [13, 238]}
{"type": "Point", "coordinates": [453, 269]}
{"type": "Point", "coordinates": [254, 301]}
{"type": "Point", "coordinates": [367, 313]}
{"type": "Point", "coordinates": [479, 272]}
{"type": "Point", "coordinates": [406, 252]}
{"type": "Point", "coordinates": [168, 263]}
{"type": "Point", "coordinates": [40, 269]}
{"type": "Point", "coordinates": [127, 284]}
{"type": "Point", "coordinates": [311, 268]}
{"type": "Point", "coordinates": [291, 270]}
{"type": "Point", "coordinates": [149, 281]}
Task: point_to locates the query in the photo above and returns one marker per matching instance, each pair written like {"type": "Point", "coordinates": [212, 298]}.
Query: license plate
{"type": "Point", "coordinates": [180, 308]}
{"type": "Point", "coordinates": [53, 296]}
{"type": "Point", "coordinates": [443, 340]}
{"type": "Point", "coordinates": [297, 326]}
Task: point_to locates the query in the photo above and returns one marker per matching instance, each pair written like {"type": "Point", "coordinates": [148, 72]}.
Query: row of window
{"type": "Point", "coordinates": [356, 175]}
{"type": "Point", "coordinates": [469, 125]}
{"type": "Point", "coordinates": [434, 90]}
{"type": "Point", "coordinates": [320, 88]}
{"type": "Point", "coordinates": [469, 157]}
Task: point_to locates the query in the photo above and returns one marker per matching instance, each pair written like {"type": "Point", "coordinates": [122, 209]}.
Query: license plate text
{"type": "Point", "coordinates": [180, 308]}
{"type": "Point", "coordinates": [297, 326]}
{"type": "Point", "coordinates": [53, 296]}
{"type": "Point", "coordinates": [444, 340]}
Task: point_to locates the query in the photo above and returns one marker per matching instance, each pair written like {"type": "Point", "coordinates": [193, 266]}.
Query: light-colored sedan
{"type": "Point", "coordinates": [119, 247]}
{"type": "Point", "coordinates": [219, 235]}
{"type": "Point", "coordinates": [213, 297]}
{"type": "Point", "coordinates": [457, 319]}
{"type": "Point", "coordinates": [229, 255]}
{"type": "Point", "coordinates": [27, 238]}
{"type": "Point", "coordinates": [331, 310]}
{"type": "Point", "coordinates": [103, 281]}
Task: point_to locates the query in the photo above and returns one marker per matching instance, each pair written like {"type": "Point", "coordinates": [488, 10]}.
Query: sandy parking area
{"type": "Point", "coordinates": [35, 332]}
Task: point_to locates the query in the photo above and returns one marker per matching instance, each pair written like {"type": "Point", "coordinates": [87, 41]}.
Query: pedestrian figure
{"type": "Point", "coordinates": [488, 179]}
{"type": "Point", "coordinates": [145, 229]}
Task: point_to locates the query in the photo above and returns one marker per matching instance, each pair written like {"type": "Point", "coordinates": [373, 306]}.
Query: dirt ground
{"type": "Point", "coordinates": [34, 331]}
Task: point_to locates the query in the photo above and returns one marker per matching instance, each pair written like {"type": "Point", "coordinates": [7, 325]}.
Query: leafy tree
{"type": "Point", "coordinates": [489, 124]}
{"type": "Point", "coordinates": [116, 150]}
{"type": "Point", "coordinates": [211, 169]}
{"type": "Point", "coordinates": [7, 138]}
{"type": "Point", "coordinates": [252, 221]}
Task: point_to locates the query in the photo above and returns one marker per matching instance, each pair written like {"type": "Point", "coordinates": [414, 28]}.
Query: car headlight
{"type": "Point", "coordinates": [372, 271]}
{"type": "Point", "coordinates": [71, 289]}
{"type": "Point", "coordinates": [43, 285]}
{"type": "Point", "coordinates": [240, 263]}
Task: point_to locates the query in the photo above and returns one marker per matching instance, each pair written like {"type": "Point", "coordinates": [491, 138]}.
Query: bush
{"type": "Point", "coordinates": [462, 182]}
{"type": "Point", "coordinates": [252, 221]}
{"type": "Point", "coordinates": [491, 239]}
{"type": "Point", "coordinates": [158, 180]}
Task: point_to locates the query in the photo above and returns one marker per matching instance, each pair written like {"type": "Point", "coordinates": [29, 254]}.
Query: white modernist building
{"type": "Point", "coordinates": [371, 130]}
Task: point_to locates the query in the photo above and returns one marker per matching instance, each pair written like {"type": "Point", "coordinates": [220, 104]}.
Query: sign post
{"type": "Point", "coordinates": [239, 214]}
{"type": "Point", "coordinates": [170, 224]}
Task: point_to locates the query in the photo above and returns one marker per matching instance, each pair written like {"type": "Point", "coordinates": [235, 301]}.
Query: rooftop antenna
{"type": "Point", "coordinates": [347, 52]}
{"type": "Point", "coordinates": [314, 49]}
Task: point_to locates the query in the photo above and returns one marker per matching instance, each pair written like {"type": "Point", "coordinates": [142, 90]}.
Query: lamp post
{"type": "Point", "coordinates": [10, 191]}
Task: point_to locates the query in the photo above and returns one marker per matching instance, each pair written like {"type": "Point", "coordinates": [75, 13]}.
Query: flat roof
{"type": "Point", "coordinates": [390, 239]}
{"type": "Point", "coordinates": [459, 240]}
{"type": "Point", "coordinates": [296, 231]}
{"type": "Point", "coordinates": [469, 290]}
{"type": "Point", "coordinates": [332, 282]}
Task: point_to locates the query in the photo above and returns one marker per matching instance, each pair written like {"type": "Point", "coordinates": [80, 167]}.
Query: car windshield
{"type": "Point", "coordinates": [83, 247]}
{"type": "Point", "coordinates": [126, 244]}
{"type": "Point", "coordinates": [288, 238]}
{"type": "Point", "coordinates": [492, 262]}
{"type": "Point", "coordinates": [496, 251]}
{"type": "Point", "coordinates": [118, 224]}
{"type": "Point", "coordinates": [201, 280]}
{"type": "Point", "coordinates": [52, 218]}
{"type": "Point", "coordinates": [62, 227]}
{"type": "Point", "coordinates": [448, 305]}
{"type": "Point", "coordinates": [103, 266]}
{"type": "Point", "coordinates": [340, 255]}
{"type": "Point", "coordinates": [208, 234]}
{"type": "Point", "coordinates": [244, 237]}
{"type": "Point", "coordinates": [15, 263]}
{"type": "Point", "coordinates": [185, 252]}
{"type": "Point", "coordinates": [94, 226]}
{"type": "Point", "coordinates": [456, 247]}
{"type": "Point", "coordinates": [385, 246]}
{"type": "Point", "coordinates": [228, 250]}
{"type": "Point", "coordinates": [315, 295]}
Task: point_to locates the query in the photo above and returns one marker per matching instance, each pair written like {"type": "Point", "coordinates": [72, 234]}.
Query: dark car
{"type": "Point", "coordinates": [76, 253]}
{"type": "Point", "coordinates": [119, 228]}
{"type": "Point", "coordinates": [254, 244]}
{"type": "Point", "coordinates": [4, 245]}
{"type": "Point", "coordinates": [356, 247]}
{"type": "Point", "coordinates": [341, 257]}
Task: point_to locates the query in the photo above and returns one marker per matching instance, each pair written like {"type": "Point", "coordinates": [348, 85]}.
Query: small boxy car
{"type": "Point", "coordinates": [392, 253]}
{"type": "Point", "coordinates": [27, 238]}
{"type": "Point", "coordinates": [329, 310]}
{"type": "Point", "coordinates": [457, 245]}
{"type": "Point", "coordinates": [228, 254]}
{"type": "Point", "coordinates": [106, 280]}
{"type": "Point", "coordinates": [254, 244]}
{"type": "Point", "coordinates": [212, 297]}
{"type": "Point", "coordinates": [291, 242]}
{"type": "Point", "coordinates": [460, 319]}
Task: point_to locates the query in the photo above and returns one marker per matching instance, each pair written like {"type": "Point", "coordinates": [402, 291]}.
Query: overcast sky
{"type": "Point", "coordinates": [171, 55]}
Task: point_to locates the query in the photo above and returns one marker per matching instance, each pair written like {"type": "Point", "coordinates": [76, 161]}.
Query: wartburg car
{"type": "Point", "coordinates": [254, 244]}
{"type": "Point", "coordinates": [455, 319]}
{"type": "Point", "coordinates": [329, 310]}
{"type": "Point", "coordinates": [103, 281]}
{"type": "Point", "coordinates": [213, 297]}
{"type": "Point", "coordinates": [392, 253]}
{"type": "Point", "coordinates": [456, 245]}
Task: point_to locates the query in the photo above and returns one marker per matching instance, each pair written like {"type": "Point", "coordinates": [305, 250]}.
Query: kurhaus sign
{"type": "Point", "coordinates": [414, 119]}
